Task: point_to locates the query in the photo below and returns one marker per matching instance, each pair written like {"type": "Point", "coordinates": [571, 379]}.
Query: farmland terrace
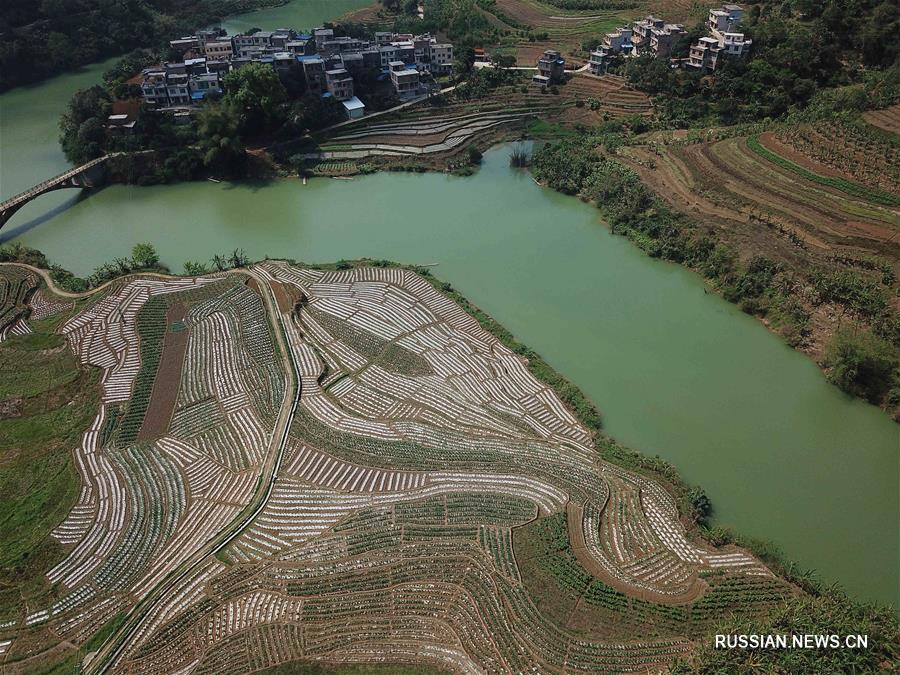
{"type": "Point", "coordinates": [535, 26]}
{"type": "Point", "coordinates": [344, 466]}
{"type": "Point", "coordinates": [435, 135]}
{"type": "Point", "coordinates": [815, 196]}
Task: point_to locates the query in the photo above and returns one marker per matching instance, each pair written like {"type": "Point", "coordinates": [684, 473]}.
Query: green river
{"type": "Point", "coordinates": [676, 371]}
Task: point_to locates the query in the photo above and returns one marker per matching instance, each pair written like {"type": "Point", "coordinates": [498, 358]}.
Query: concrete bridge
{"type": "Point", "coordinates": [89, 175]}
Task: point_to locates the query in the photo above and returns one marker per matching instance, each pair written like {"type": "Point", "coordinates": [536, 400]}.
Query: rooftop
{"type": "Point", "coordinates": [353, 104]}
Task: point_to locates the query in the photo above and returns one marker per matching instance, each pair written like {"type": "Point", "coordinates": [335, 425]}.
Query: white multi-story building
{"type": "Point", "coordinates": [339, 83]}
{"type": "Point", "coordinates": [724, 18]}
{"type": "Point", "coordinates": [440, 57]}
{"type": "Point", "coordinates": [616, 42]}
{"type": "Point", "coordinates": [707, 52]}
{"type": "Point", "coordinates": [406, 80]}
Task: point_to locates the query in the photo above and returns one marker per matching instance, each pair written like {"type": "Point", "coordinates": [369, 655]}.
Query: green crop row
{"type": "Point", "coordinates": [151, 325]}
{"type": "Point", "coordinates": [852, 189]}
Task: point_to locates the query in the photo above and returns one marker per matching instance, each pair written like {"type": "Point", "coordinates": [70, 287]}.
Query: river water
{"type": "Point", "coordinates": [675, 371]}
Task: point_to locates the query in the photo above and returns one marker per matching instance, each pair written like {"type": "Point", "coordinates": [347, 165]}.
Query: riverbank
{"type": "Point", "coordinates": [830, 306]}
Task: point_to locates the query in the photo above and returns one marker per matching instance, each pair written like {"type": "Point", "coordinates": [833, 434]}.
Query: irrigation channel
{"type": "Point", "coordinates": [676, 371]}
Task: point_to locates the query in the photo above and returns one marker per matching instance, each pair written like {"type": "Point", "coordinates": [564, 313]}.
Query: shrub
{"type": "Point", "coordinates": [861, 363]}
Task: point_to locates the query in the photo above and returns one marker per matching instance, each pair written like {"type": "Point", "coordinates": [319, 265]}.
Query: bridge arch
{"type": "Point", "coordinates": [88, 175]}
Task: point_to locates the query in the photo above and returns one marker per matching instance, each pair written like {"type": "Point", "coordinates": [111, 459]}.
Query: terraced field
{"type": "Point", "coordinates": [765, 182]}
{"type": "Point", "coordinates": [867, 155]}
{"type": "Point", "coordinates": [566, 30]}
{"type": "Point", "coordinates": [388, 498]}
{"type": "Point", "coordinates": [146, 504]}
{"type": "Point", "coordinates": [389, 509]}
{"type": "Point", "coordinates": [438, 132]}
{"type": "Point", "coordinates": [16, 284]}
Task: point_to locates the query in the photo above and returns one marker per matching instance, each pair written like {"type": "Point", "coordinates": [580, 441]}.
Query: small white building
{"type": "Point", "coordinates": [354, 108]}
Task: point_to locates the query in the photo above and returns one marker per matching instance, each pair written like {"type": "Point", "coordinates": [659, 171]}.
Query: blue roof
{"type": "Point", "coordinates": [410, 66]}
{"type": "Point", "coordinates": [327, 94]}
{"type": "Point", "coordinates": [304, 36]}
{"type": "Point", "coordinates": [198, 95]}
{"type": "Point", "coordinates": [311, 57]}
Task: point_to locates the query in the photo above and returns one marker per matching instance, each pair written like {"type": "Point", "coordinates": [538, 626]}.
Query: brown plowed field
{"type": "Point", "coordinates": [727, 179]}
{"type": "Point", "coordinates": [758, 208]}
{"type": "Point", "coordinates": [168, 378]}
{"type": "Point", "coordinates": [565, 30]}
{"type": "Point", "coordinates": [887, 119]}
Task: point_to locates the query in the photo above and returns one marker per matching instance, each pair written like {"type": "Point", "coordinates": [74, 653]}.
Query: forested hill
{"type": "Point", "coordinates": [40, 38]}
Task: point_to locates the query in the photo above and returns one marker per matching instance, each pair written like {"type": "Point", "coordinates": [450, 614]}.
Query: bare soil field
{"type": "Point", "coordinates": [565, 30]}
{"type": "Point", "coordinates": [762, 208]}
{"type": "Point", "coordinates": [613, 95]}
{"type": "Point", "coordinates": [725, 179]}
{"type": "Point", "coordinates": [887, 119]}
{"type": "Point", "coordinates": [168, 377]}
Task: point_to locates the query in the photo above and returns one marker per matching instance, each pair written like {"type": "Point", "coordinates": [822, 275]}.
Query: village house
{"type": "Point", "coordinates": [339, 83]}
{"type": "Point", "coordinates": [220, 49]}
{"type": "Point", "coordinates": [321, 36]}
{"type": "Point", "coordinates": [551, 68]}
{"type": "Point", "coordinates": [641, 31]}
{"type": "Point", "coordinates": [328, 64]}
{"type": "Point", "coordinates": [663, 39]}
{"type": "Point", "coordinates": [724, 18]}
{"type": "Point", "coordinates": [153, 87]}
{"type": "Point", "coordinates": [405, 80]}
{"type": "Point", "coordinates": [613, 44]}
{"type": "Point", "coordinates": [653, 35]}
{"type": "Point", "coordinates": [177, 89]}
{"type": "Point", "coordinates": [354, 108]}
{"type": "Point", "coordinates": [706, 53]}
{"type": "Point", "coordinates": [440, 58]}
{"type": "Point", "coordinates": [314, 73]}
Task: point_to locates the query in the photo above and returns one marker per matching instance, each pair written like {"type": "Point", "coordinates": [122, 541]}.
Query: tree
{"type": "Point", "coordinates": [829, 612]}
{"type": "Point", "coordinates": [701, 507]}
{"type": "Point", "coordinates": [861, 363]}
{"type": "Point", "coordinates": [474, 155]}
{"type": "Point", "coordinates": [83, 124]}
{"type": "Point", "coordinates": [144, 256]}
{"type": "Point", "coordinates": [258, 96]}
{"type": "Point", "coordinates": [194, 269]}
{"type": "Point", "coordinates": [217, 134]}
{"type": "Point", "coordinates": [219, 262]}
{"type": "Point", "coordinates": [877, 37]}
{"type": "Point", "coordinates": [238, 259]}
{"type": "Point", "coordinates": [465, 57]}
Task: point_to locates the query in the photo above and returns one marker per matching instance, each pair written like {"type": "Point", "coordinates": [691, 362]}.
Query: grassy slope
{"type": "Point", "coordinates": [47, 401]}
